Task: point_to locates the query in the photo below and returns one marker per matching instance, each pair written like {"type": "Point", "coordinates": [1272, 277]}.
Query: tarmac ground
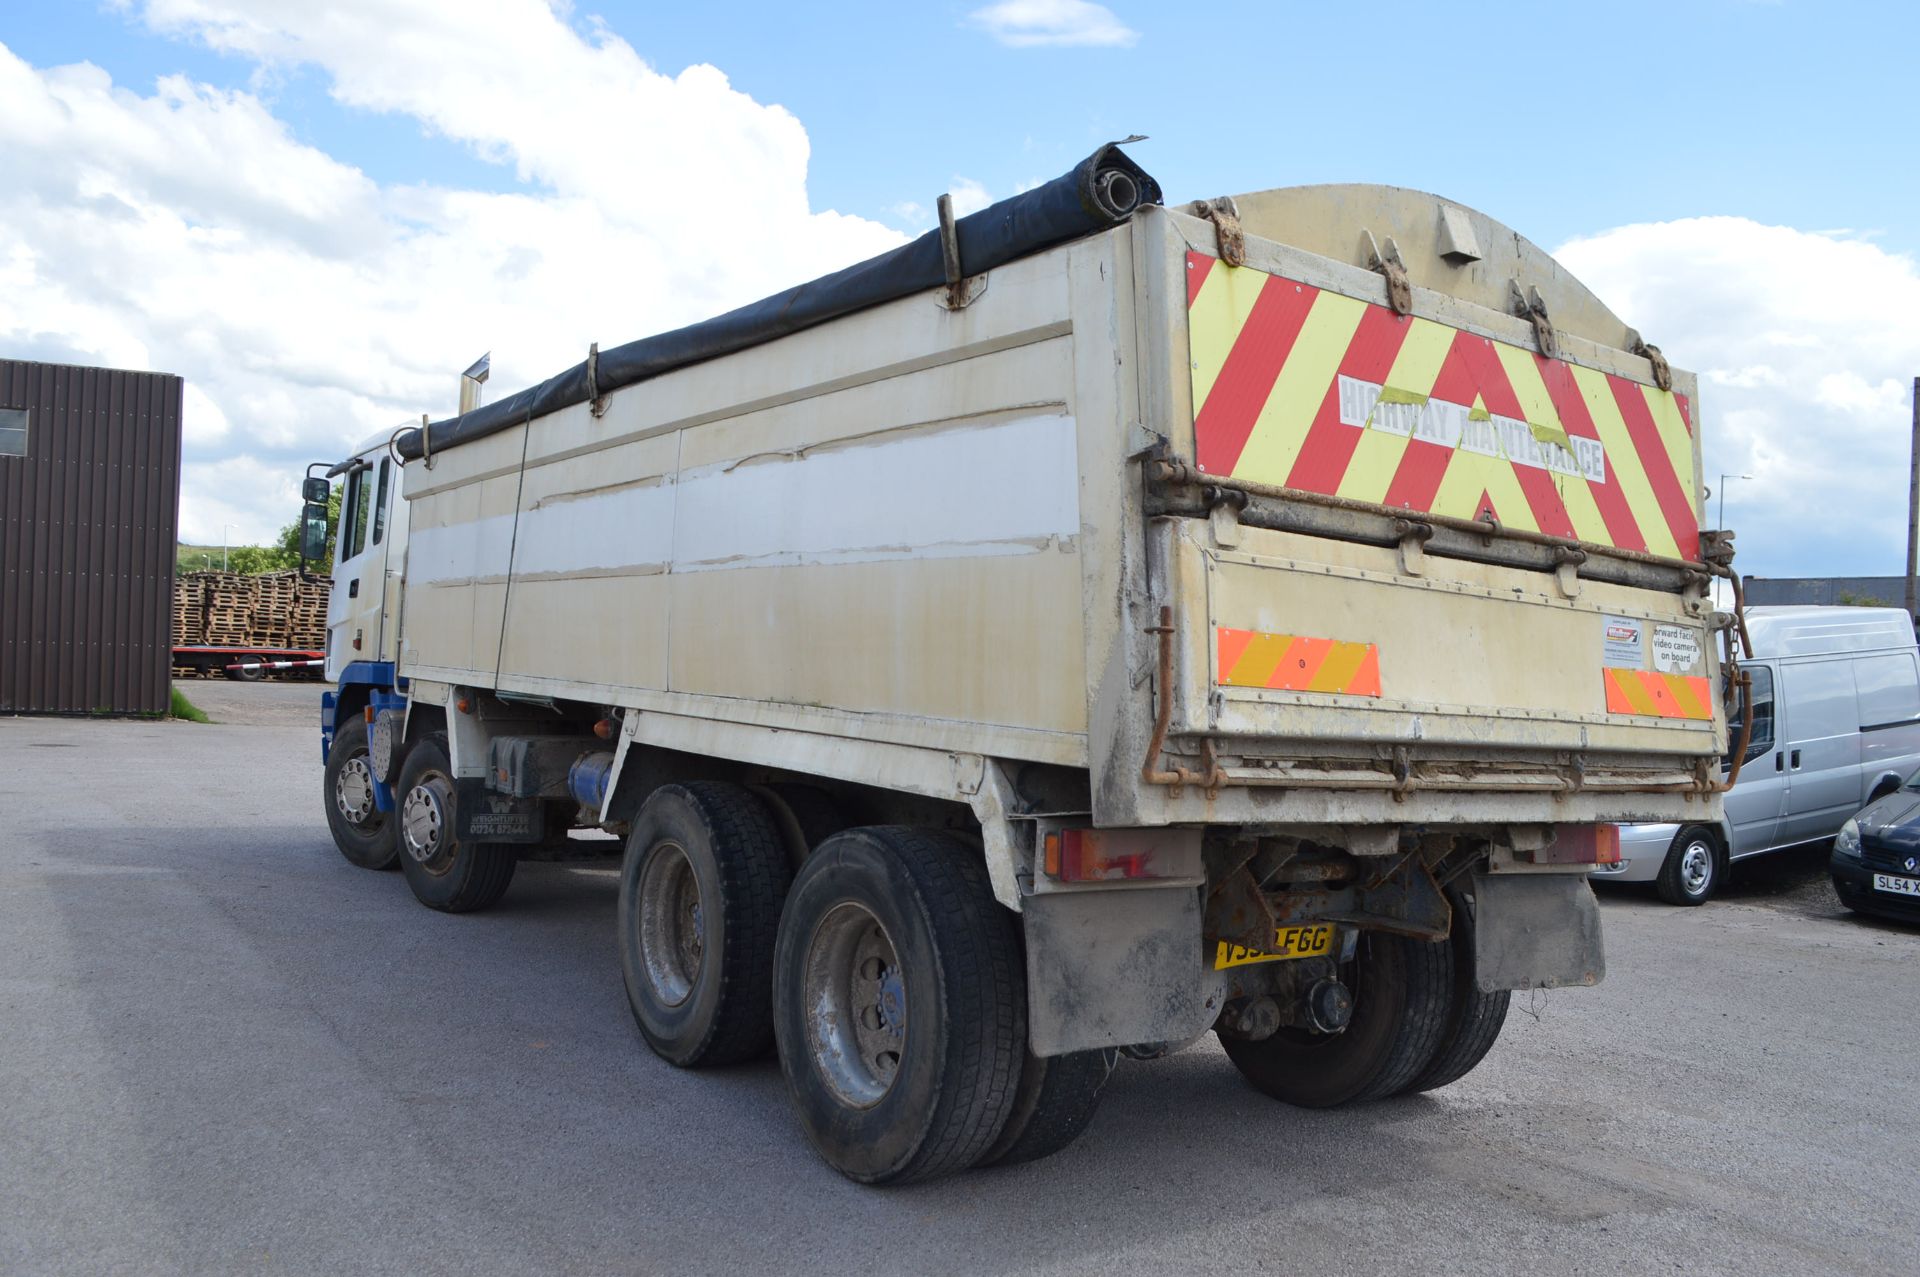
{"type": "Point", "coordinates": [226, 1049]}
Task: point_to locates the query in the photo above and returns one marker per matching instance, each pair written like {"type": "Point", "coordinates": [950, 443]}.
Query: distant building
{"type": "Point", "coordinates": [89, 502]}
{"type": "Point", "coordinates": [1827, 591]}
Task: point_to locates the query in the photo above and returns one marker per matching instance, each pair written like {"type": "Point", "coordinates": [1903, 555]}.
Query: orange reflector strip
{"type": "Point", "coordinates": [1291, 662]}
{"type": "Point", "coordinates": [1656, 695]}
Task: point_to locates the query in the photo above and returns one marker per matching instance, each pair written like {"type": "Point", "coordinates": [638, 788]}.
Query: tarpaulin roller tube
{"type": "Point", "coordinates": [1100, 191]}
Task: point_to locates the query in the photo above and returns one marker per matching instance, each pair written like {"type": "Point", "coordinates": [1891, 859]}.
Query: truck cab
{"type": "Point", "coordinates": [370, 556]}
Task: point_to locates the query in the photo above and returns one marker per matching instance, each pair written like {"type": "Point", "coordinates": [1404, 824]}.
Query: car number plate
{"type": "Point", "coordinates": [1898, 886]}
{"type": "Point", "coordinates": [1310, 941]}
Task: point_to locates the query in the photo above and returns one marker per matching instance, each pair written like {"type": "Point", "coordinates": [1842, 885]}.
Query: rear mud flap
{"type": "Point", "coordinates": [1536, 931]}
{"type": "Point", "coordinates": [1115, 968]}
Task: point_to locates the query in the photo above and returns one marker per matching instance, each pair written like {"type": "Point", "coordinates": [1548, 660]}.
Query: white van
{"type": "Point", "coordinates": [1836, 724]}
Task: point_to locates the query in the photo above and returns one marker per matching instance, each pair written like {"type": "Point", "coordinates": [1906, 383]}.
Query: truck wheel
{"type": "Point", "coordinates": [700, 892]}
{"type": "Point", "coordinates": [1474, 1019]}
{"type": "Point", "coordinates": [1692, 870]}
{"type": "Point", "coordinates": [364, 834]}
{"type": "Point", "coordinates": [246, 673]}
{"type": "Point", "coordinates": [806, 817]}
{"type": "Point", "coordinates": [1402, 990]}
{"type": "Point", "coordinates": [1053, 1104]}
{"type": "Point", "coordinates": [898, 1005]}
{"type": "Point", "coordinates": [444, 872]}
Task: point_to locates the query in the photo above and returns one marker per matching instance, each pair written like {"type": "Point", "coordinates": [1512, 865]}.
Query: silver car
{"type": "Point", "coordinates": [1836, 725]}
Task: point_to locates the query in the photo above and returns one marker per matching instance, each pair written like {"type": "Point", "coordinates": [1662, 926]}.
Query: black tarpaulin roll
{"type": "Point", "coordinates": [1104, 189]}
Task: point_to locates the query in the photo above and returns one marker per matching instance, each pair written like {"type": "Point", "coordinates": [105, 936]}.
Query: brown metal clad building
{"type": "Point", "coordinates": [89, 501]}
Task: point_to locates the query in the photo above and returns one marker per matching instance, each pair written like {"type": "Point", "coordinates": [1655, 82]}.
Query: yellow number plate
{"type": "Point", "coordinates": [1288, 942]}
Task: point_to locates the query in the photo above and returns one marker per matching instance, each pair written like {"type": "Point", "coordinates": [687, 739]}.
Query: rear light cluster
{"type": "Point", "coordinates": [1109, 855]}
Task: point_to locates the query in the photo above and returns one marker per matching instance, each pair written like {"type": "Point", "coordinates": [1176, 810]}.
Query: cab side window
{"type": "Point", "coordinates": [353, 516]}
{"type": "Point", "coordinates": [380, 501]}
{"type": "Point", "coordinates": [1761, 698]}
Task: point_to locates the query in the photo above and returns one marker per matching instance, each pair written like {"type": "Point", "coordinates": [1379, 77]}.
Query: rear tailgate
{"type": "Point", "coordinates": [1327, 607]}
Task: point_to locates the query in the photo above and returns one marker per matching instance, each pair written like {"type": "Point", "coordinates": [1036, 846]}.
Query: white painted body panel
{"type": "Point", "coordinates": [880, 518]}
{"type": "Point", "coordinates": [916, 534]}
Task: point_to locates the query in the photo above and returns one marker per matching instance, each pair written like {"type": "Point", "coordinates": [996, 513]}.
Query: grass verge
{"type": "Point", "coordinates": [181, 707]}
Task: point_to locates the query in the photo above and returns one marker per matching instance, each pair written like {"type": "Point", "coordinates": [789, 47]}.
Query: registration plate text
{"type": "Point", "coordinates": [1310, 941]}
{"type": "Point", "coordinates": [1897, 886]}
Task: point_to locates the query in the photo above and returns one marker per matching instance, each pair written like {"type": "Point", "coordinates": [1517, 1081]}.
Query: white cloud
{"type": "Point", "coordinates": [968, 196]}
{"type": "Point", "coordinates": [909, 213]}
{"type": "Point", "coordinates": [1806, 345]}
{"type": "Point", "coordinates": [310, 307]}
{"type": "Point", "coordinates": [1023, 24]}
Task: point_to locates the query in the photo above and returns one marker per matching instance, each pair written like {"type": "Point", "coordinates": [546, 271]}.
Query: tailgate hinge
{"type": "Point", "coordinates": [1531, 307]}
{"type": "Point", "coordinates": [1229, 239]}
{"type": "Point", "coordinates": [1662, 370]}
{"type": "Point", "coordinates": [1387, 262]}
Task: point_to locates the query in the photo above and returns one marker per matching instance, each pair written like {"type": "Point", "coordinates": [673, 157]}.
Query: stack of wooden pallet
{"type": "Point", "coordinates": [189, 609]}
{"type": "Point", "coordinates": [307, 615]}
{"type": "Point", "coordinates": [229, 609]}
{"type": "Point", "coordinates": [271, 610]}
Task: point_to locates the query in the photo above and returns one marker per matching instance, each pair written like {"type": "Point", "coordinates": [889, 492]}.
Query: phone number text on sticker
{"type": "Point", "coordinates": [1310, 941]}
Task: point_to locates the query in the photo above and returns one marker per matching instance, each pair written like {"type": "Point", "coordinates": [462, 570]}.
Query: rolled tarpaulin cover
{"type": "Point", "coordinates": [1102, 190]}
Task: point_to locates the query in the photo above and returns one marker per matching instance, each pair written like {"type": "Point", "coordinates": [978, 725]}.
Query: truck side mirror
{"type": "Point", "coordinates": [315, 491]}
{"type": "Point", "coordinates": [313, 528]}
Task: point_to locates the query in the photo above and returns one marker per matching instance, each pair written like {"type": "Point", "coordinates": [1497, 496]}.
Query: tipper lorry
{"type": "Point", "coordinates": [1094, 624]}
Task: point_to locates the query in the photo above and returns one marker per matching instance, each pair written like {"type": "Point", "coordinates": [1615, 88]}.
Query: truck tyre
{"type": "Point", "coordinates": [898, 1004]}
{"type": "Point", "coordinates": [1693, 868]}
{"type": "Point", "coordinates": [444, 872]}
{"type": "Point", "coordinates": [805, 815]}
{"type": "Point", "coordinates": [249, 670]}
{"type": "Point", "coordinates": [1402, 990]}
{"type": "Point", "coordinates": [1053, 1104]}
{"type": "Point", "coordinates": [1474, 1020]}
{"type": "Point", "coordinates": [700, 892]}
{"type": "Point", "coordinates": [365, 835]}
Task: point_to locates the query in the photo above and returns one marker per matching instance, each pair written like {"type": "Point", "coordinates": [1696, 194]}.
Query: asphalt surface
{"type": "Point", "coordinates": [222, 1048]}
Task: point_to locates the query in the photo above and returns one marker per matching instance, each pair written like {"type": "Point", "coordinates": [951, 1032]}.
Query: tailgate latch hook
{"type": "Point", "coordinates": [1662, 370]}
{"type": "Point", "coordinates": [1229, 239]}
{"type": "Point", "coordinates": [1387, 262]}
{"type": "Point", "coordinates": [1530, 306]}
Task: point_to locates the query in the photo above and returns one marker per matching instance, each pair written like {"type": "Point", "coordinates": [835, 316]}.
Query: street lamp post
{"type": "Point", "coordinates": [1723, 496]}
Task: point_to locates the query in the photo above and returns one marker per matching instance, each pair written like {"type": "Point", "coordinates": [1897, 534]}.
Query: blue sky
{"type": "Point", "coordinates": [1560, 119]}
{"type": "Point", "coordinates": [427, 179]}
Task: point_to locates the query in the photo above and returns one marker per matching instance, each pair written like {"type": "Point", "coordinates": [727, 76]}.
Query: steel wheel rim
{"type": "Point", "coordinates": [672, 924]}
{"type": "Point", "coordinates": [1696, 867]}
{"type": "Point", "coordinates": [353, 791]}
{"type": "Point", "coordinates": [424, 821]}
{"type": "Point", "coordinates": [856, 1005]}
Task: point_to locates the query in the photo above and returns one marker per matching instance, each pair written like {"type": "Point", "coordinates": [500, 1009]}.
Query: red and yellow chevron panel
{"type": "Point", "coordinates": [1310, 389]}
{"type": "Point", "coordinates": [1289, 662]}
{"type": "Point", "coordinates": [1658, 695]}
